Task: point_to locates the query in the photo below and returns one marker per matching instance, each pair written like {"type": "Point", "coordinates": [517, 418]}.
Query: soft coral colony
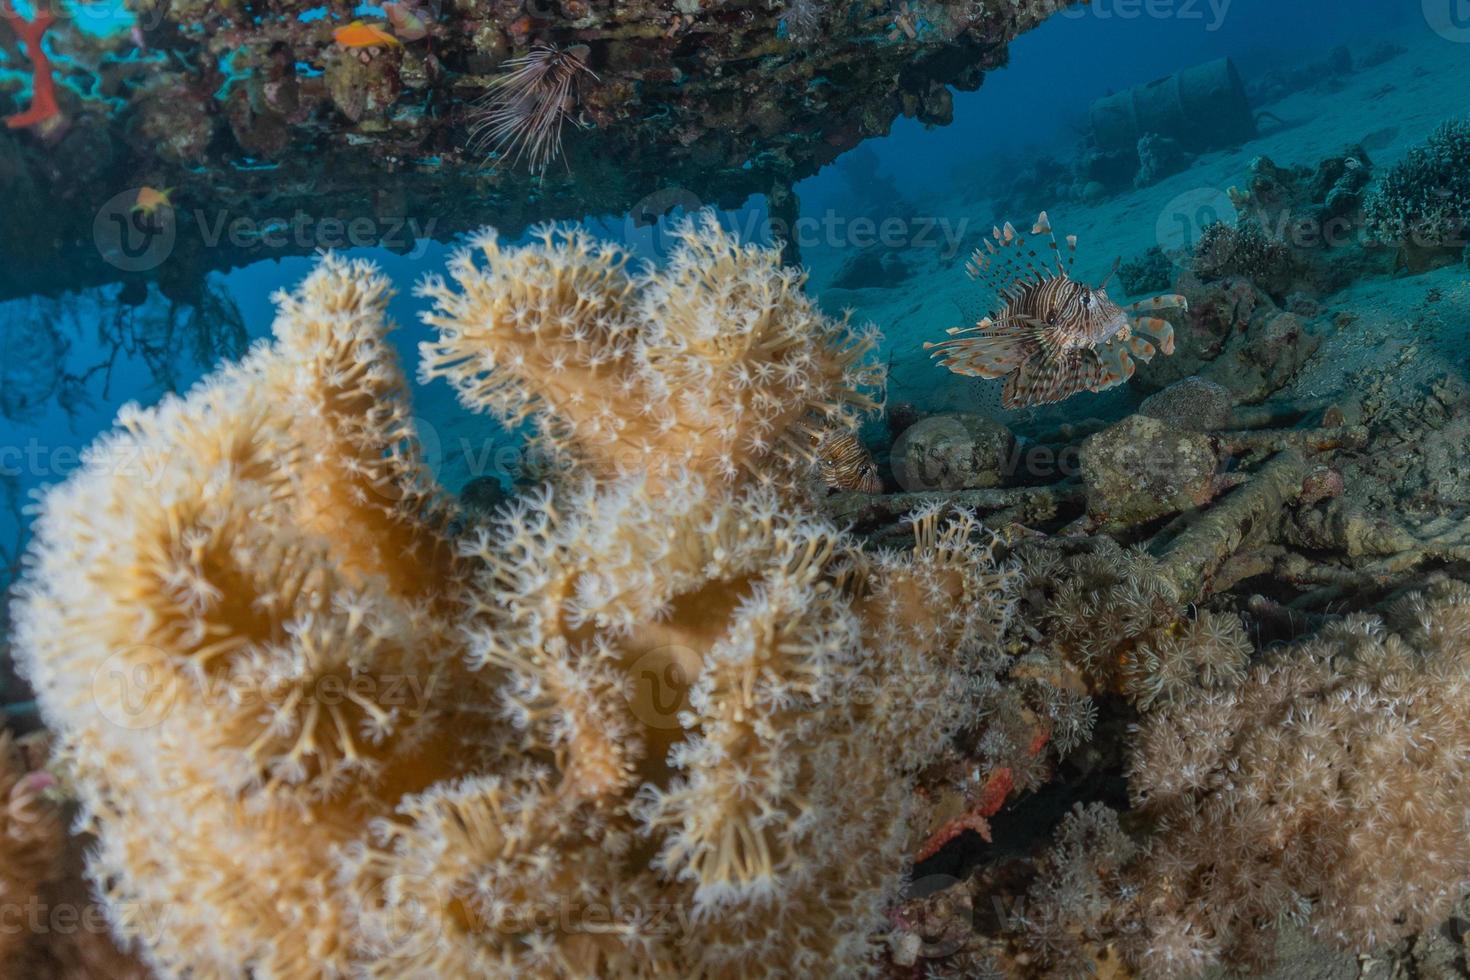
{"type": "Point", "coordinates": [658, 718]}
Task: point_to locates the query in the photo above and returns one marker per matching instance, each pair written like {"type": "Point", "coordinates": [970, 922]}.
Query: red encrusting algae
{"type": "Point", "coordinates": [43, 86]}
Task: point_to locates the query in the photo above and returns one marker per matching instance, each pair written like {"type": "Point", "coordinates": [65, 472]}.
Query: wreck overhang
{"type": "Point", "coordinates": [272, 138]}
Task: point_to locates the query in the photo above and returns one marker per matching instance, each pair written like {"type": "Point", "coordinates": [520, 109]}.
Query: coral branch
{"type": "Point", "coordinates": [43, 85]}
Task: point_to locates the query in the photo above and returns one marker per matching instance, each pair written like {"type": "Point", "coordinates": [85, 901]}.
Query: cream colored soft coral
{"type": "Point", "coordinates": [1327, 788]}
{"type": "Point", "coordinates": [717, 363]}
{"type": "Point", "coordinates": [1330, 785]}
{"type": "Point", "coordinates": [663, 722]}
{"type": "Point", "coordinates": [233, 617]}
{"type": "Point", "coordinates": [705, 675]}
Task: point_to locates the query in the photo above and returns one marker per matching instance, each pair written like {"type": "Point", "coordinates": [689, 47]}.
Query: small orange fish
{"type": "Point", "coordinates": [360, 35]}
{"type": "Point", "coordinates": [151, 200]}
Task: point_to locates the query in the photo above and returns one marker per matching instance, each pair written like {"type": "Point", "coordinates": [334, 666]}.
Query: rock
{"type": "Point", "coordinates": [483, 495]}
{"type": "Point", "coordinates": [1158, 157]}
{"type": "Point", "coordinates": [872, 268]}
{"type": "Point", "coordinates": [1192, 405]}
{"type": "Point", "coordinates": [901, 417]}
{"type": "Point", "coordinates": [952, 452]}
{"type": "Point", "coordinates": [1142, 469]}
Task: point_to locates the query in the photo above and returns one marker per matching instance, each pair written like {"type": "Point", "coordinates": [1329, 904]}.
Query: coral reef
{"type": "Point", "coordinates": [1151, 272]}
{"type": "Point", "coordinates": [1248, 251]}
{"type": "Point", "coordinates": [637, 724]}
{"type": "Point", "coordinates": [1142, 469]}
{"type": "Point", "coordinates": [43, 109]}
{"type": "Point", "coordinates": [262, 114]}
{"type": "Point", "coordinates": [1194, 404]}
{"type": "Point", "coordinates": [1158, 157]}
{"type": "Point", "coordinates": [1422, 205]}
{"type": "Point", "coordinates": [1237, 337]}
{"type": "Point", "coordinates": [1296, 794]}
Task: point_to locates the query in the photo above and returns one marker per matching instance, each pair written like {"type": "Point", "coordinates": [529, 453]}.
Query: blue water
{"type": "Point", "coordinates": [1038, 101]}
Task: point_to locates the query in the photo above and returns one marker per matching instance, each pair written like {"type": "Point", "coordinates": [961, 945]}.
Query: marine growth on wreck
{"type": "Point", "coordinates": [556, 489]}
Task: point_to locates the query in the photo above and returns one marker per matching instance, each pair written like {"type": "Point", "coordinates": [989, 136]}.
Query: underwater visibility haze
{"type": "Point", "coordinates": [735, 488]}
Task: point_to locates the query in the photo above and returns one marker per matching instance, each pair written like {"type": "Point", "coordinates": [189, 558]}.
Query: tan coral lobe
{"type": "Point", "coordinates": [716, 363]}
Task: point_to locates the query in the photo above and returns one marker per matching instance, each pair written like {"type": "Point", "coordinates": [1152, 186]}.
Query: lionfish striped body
{"type": "Point", "coordinates": [846, 463]}
{"type": "Point", "coordinates": [1053, 337]}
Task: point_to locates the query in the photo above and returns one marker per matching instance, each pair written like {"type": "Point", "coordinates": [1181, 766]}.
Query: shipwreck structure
{"type": "Point", "coordinates": [160, 139]}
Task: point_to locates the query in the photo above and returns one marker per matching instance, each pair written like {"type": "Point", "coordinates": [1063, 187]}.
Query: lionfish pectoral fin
{"type": "Point", "coordinates": [1052, 375]}
{"type": "Point", "coordinates": [1170, 301]}
{"type": "Point", "coordinates": [1158, 330]}
{"type": "Point", "coordinates": [1115, 365]}
{"type": "Point", "coordinates": [1141, 349]}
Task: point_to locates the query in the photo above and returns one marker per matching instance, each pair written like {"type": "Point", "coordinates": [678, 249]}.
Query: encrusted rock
{"type": "Point", "coordinates": [1193, 405]}
{"type": "Point", "coordinates": [1142, 469]}
{"type": "Point", "coordinates": [1158, 157]}
{"type": "Point", "coordinates": [952, 452]}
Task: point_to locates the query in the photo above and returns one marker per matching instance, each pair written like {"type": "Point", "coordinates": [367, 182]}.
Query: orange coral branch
{"type": "Point", "coordinates": [997, 787]}
{"type": "Point", "coordinates": [43, 85]}
{"type": "Point", "coordinates": [993, 796]}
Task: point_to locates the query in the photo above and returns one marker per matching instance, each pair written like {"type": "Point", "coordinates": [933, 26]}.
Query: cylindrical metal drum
{"type": "Point", "coordinates": [1204, 108]}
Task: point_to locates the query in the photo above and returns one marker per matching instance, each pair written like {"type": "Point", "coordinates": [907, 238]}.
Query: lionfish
{"type": "Point", "coordinates": [1053, 337]}
{"type": "Point", "coordinates": [522, 111]}
{"type": "Point", "coordinates": [846, 463]}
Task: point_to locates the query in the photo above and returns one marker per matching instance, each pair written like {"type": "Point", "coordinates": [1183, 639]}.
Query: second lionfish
{"type": "Point", "coordinates": [1053, 337]}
